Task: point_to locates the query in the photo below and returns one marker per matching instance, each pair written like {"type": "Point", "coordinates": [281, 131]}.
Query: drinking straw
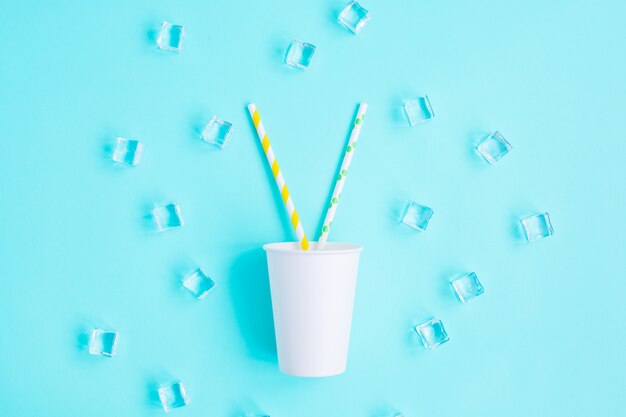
{"type": "Point", "coordinates": [343, 172]}
{"type": "Point", "coordinates": [278, 176]}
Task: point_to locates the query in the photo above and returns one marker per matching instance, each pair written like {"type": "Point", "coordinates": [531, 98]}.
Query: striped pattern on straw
{"type": "Point", "coordinates": [278, 176]}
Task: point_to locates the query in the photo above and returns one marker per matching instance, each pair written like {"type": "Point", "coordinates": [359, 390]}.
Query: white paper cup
{"type": "Point", "coordinates": [312, 300]}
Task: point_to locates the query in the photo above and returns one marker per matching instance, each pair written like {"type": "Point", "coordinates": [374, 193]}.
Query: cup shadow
{"type": "Point", "coordinates": [250, 291]}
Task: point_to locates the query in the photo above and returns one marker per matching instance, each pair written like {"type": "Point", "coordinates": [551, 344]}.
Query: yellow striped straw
{"type": "Point", "coordinates": [278, 176]}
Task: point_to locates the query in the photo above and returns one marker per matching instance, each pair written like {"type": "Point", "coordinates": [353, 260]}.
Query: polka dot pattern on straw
{"type": "Point", "coordinates": [343, 173]}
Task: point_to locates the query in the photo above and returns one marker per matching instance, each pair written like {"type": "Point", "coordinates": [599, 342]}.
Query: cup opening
{"type": "Point", "coordinates": [330, 248]}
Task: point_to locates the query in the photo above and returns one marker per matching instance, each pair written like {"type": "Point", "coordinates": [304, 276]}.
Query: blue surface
{"type": "Point", "coordinates": [76, 249]}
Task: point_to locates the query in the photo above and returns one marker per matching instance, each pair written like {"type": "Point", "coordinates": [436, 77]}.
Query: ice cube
{"type": "Point", "coordinates": [467, 287]}
{"type": "Point", "coordinates": [432, 333]}
{"type": "Point", "coordinates": [416, 216]}
{"type": "Point", "coordinates": [171, 37]}
{"type": "Point", "coordinates": [538, 226]}
{"type": "Point", "coordinates": [299, 54]}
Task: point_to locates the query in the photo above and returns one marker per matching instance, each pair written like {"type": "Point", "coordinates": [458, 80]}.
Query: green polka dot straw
{"type": "Point", "coordinates": [343, 174]}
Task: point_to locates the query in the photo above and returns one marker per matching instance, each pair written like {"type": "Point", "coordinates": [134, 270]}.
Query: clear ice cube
{"type": "Point", "coordinates": [217, 132]}
{"type": "Point", "coordinates": [173, 396]}
{"type": "Point", "coordinates": [354, 17]}
{"type": "Point", "coordinates": [432, 333]}
{"type": "Point", "coordinates": [416, 216]}
{"type": "Point", "coordinates": [103, 342]}
{"type": "Point", "coordinates": [418, 110]}
{"type": "Point", "coordinates": [171, 37]}
{"type": "Point", "coordinates": [538, 226]}
{"type": "Point", "coordinates": [127, 151]}
{"type": "Point", "coordinates": [299, 54]}
{"type": "Point", "coordinates": [198, 284]}
{"type": "Point", "coordinates": [167, 217]}
{"type": "Point", "coordinates": [467, 287]}
{"type": "Point", "coordinates": [494, 147]}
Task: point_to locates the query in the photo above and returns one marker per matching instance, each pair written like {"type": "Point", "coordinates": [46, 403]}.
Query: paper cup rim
{"type": "Point", "coordinates": [330, 248]}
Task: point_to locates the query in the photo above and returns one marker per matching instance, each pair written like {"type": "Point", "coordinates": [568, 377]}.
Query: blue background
{"type": "Point", "coordinates": [78, 250]}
